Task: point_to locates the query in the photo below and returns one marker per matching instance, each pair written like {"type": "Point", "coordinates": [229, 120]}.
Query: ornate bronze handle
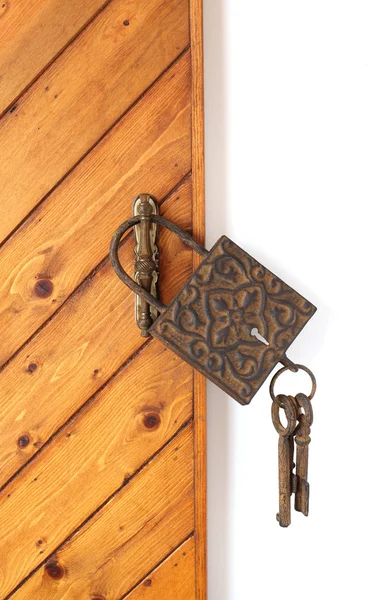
{"type": "Point", "coordinates": [119, 270]}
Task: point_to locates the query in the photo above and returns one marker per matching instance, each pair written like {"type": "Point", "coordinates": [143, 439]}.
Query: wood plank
{"type": "Point", "coordinates": [196, 36]}
{"type": "Point", "coordinates": [176, 574]}
{"type": "Point", "coordinates": [125, 425]}
{"type": "Point", "coordinates": [82, 94]}
{"type": "Point", "coordinates": [33, 32]}
{"type": "Point", "coordinates": [149, 149]}
{"type": "Point", "coordinates": [80, 348]}
{"type": "Point", "coordinates": [148, 519]}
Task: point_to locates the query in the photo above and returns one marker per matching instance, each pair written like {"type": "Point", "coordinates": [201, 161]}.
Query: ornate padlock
{"type": "Point", "coordinates": [233, 320]}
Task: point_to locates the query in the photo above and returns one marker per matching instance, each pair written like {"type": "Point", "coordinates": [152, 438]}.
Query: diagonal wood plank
{"type": "Point", "coordinates": [148, 150]}
{"type": "Point", "coordinates": [82, 94]}
{"type": "Point", "coordinates": [149, 518]}
{"type": "Point", "coordinates": [79, 349]}
{"type": "Point", "coordinates": [176, 574]}
{"type": "Point", "coordinates": [127, 423]}
{"type": "Point", "coordinates": [33, 32]}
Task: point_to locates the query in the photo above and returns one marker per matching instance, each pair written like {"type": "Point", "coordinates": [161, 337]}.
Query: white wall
{"type": "Point", "coordinates": [286, 160]}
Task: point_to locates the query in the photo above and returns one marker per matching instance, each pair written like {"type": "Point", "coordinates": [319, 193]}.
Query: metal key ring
{"type": "Point", "coordinates": [290, 412]}
{"type": "Point", "coordinates": [302, 368]}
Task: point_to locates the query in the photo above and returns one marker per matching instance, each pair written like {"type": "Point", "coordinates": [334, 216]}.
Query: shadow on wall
{"type": "Point", "coordinates": [216, 225]}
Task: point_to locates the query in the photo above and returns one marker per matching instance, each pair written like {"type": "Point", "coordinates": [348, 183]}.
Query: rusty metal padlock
{"type": "Point", "coordinates": [233, 320]}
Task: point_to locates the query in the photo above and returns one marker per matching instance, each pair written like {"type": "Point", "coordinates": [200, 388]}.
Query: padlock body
{"type": "Point", "coordinates": [212, 323]}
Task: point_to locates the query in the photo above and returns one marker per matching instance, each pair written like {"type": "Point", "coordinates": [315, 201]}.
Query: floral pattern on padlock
{"type": "Point", "coordinates": [210, 321]}
{"type": "Point", "coordinates": [233, 315]}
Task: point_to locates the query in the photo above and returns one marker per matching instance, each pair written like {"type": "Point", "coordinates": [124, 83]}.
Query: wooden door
{"type": "Point", "coordinates": [102, 435]}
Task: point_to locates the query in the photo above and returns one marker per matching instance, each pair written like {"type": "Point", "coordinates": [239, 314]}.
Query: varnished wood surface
{"type": "Point", "coordinates": [135, 531]}
{"type": "Point", "coordinates": [79, 349]}
{"type": "Point", "coordinates": [102, 432]}
{"type": "Point", "coordinates": [32, 34]}
{"type": "Point", "coordinates": [175, 574]}
{"type": "Point", "coordinates": [64, 240]}
{"type": "Point", "coordinates": [196, 35]}
{"type": "Point", "coordinates": [81, 95]}
{"type": "Point", "coordinates": [87, 461]}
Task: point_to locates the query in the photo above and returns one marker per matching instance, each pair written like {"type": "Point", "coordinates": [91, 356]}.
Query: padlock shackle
{"type": "Point", "coordinates": [123, 275]}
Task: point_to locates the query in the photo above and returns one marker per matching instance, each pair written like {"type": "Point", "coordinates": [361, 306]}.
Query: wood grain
{"type": "Point", "coordinates": [149, 149]}
{"type": "Point", "coordinates": [176, 574]}
{"type": "Point", "coordinates": [104, 481]}
{"type": "Point", "coordinates": [80, 348]}
{"type": "Point", "coordinates": [127, 423]}
{"type": "Point", "coordinates": [196, 35]}
{"type": "Point", "coordinates": [134, 532]}
{"type": "Point", "coordinates": [33, 32]}
{"type": "Point", "coordinates": [82, 94]}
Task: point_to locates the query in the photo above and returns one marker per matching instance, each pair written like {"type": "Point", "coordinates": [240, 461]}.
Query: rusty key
{"type": "Point", "coordinates": [302, 440]}
{"type": "Point", "coordinates": [285, 447]}
{"type": "Point", "coordinates": [299, 416]}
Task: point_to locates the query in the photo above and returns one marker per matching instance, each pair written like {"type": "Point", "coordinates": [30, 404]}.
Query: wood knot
{"type": "Point", "coordinates": [54, 570]}
{"type": "Point", "coordinates": [23, 441]}
{"type": "Point", "coordinates": [148, 582]}
{"type": "Point", "coordinates": [44, 288]}
{"type": "Point", "coordinates": [152, 420]}
{"type": "Point", "coordinates": [32, 368]}
{"type": "Point", "coordinates": [126, 22]}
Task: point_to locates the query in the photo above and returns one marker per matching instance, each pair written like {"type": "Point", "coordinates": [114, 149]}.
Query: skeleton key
{"type": "Point", "coordinates": [302, 440]}
{"type": "Point", "coordinates": [286, 451]}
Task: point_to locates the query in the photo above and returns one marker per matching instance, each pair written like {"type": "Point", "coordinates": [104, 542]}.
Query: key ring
{"type": "Point", "coordinates": [282, 370]}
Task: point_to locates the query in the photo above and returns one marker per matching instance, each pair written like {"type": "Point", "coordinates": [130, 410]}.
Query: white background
{"type": "Point", "coordinates": [286, 176]}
